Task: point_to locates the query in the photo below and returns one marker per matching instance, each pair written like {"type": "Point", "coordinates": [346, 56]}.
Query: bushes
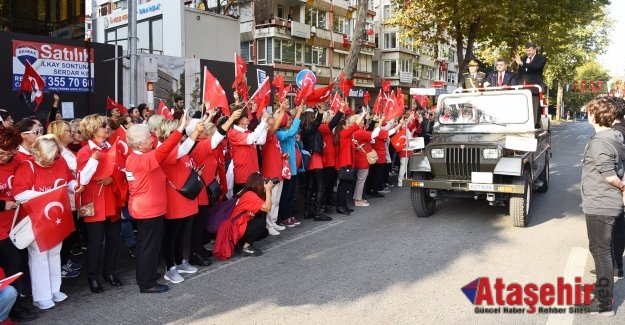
{"type": "Point", "coordinates": [574, 101]}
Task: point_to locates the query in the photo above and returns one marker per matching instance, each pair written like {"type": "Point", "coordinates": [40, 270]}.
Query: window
{"type": "Point", "coordinates": [390, 40]}
{"type": "Point", "coordinates": [277, 50]}
{"type": "Point", "coordinates": [319, 56]}
{"type": "Point", "coordinates": [246, 53]}
{"type": "Point", "coordinates": [390, 68]}
{"type": "Point", "coordinates": [143, 35]}
{"type": "Point", "coordinates": [315, 17]}
{"type": "Point", "coordinates": [452, 55]}
{"type": "Point", "coordinates": [405, 65]}
{"type": "Point", "coordinates": [281, 12]}
{"type": "Point", "coordinates": [269, 51]}
{"type": "Point", "coordinates": [430, 73]}
{"type": "Point", "coordinates": [118, 36]}
{"type": "Point", "coordinates": [299, 52]}
{"type": "Point", "coordinates": [261, 51]}
{"type": "Point", "coordinates": [288, 52]}
{"type": "Point", "coordinates": [156, 35]}
{"type": "Point", "coordinates": [386, 11]}
{"type": "Point", "coordinates": [416, 70]}
{"type": "Point", "coordinates": [340, 25]}
{"type": "Point", "coordinates": [451, 77]}
{"type": "Point", "coordinates": [120, 5]}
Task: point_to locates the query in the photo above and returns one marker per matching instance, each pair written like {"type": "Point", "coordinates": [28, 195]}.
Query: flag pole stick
{"type": "Point", "coordinates": [256, 92]}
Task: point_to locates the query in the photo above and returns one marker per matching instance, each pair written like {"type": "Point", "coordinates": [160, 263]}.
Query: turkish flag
{"type": "Point", "coordinates": [284, 92]}
{"type": "Point", "coordinates": [214, 94]}
{"type": "Point", "coordinates": [111, 104]}
{"type": "Point", "coordinates": [366, 98]}
{"type": "Point", "coordinates": [599, 85]}
{"type": "Point", "coordinates": [345, 85]}
{"type": "Point", "coordinates": [262, 97]}
{"type": "Point", "coordinates": [33, 83]}
{"type": "Point", "coordinates": [386, 85]}
{"type": "Point", "coordinates": [243, 90]}
{"type": "Point", "coordinates": [336, 102]}
{"type": "Point", "coordinates": [583, 86]}
{"type": "Point", "coordinates": [378, 105]}
{"type": "Point", "coordinates": [390, 111]}
{"type": "Point", "coordinates": [575, 86]}
{"type": "Point", "coordinates": [320, 95]}
{"type": "Point", "coordinates": [592, 86]}
{"type": "Point", "coordinates": [278, 82]}
{"type": "Point", "coordinates": [240, 68]}
{"type": "Point", "coordinates": [399, 103]}
{"type": "Point", "coordinates": [51, 217]}
{"type": "Point", "coordinates": [399, 139]}
{"type": "Point", "coordinates": [164, 110]}
{"type": "Point", "coordinates": [107, 162]}
{"type": "Point", "coordinates": [308, 86]}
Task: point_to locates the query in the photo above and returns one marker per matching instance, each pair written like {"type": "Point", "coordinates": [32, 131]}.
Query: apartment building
{"type": "Point", "coordinates": [290, 35]}
{"type": "Point", "coordinates": [406, 66]}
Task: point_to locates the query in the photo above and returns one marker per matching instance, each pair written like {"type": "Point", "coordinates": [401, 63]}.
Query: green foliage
{"type": "Point", "coordinates": [195, 95]}
{"type": "Point", "coordinates": [574, 101]}
{"type": "Point", "coordinates": [592, 70]}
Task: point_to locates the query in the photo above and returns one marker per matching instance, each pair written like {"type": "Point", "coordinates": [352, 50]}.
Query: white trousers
{"type": "Point", "coordinates": [361, 177]}
{"type": "Point", "coordinates": [403, 166]}
{"type": "Point", "coordinates": [45, 271]}
{"type": "Point", "coordinates": [230, 179]}
{"type": "Point", "coordinates": [272, 215]}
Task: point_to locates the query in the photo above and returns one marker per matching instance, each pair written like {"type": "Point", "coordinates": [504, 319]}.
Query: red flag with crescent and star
{"type": "Point", "coordinates": [366, 98]}
{"type": "Point", "coordinates": [336, 102]}
{"type": "Point", "coordinates": [33, 83]}
{"type": "Point", "coordinates": [262, 98]}
{"type": "Point", "coordinates": [240, 68]}
{"type": "Point", "coordinates": [320, 95]}
{"type": "Point", "coordinates": [51, 217]}
{"type": "Point", "coordinates": [399, 140]}
{"type": "Point", "coordinates": [345, 85]}
{"type": "Point", "coordinates": [164, 110]}
{"type": "Point", "coordinates": [308, 85]}
{"type": "Point", "coordinates": [214, 94]}
{"type": "Point", "coordinates": [111, 104]}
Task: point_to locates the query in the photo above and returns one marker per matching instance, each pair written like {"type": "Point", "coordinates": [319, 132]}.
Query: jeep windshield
{"type": "Point", "coordinates": [484, 109]}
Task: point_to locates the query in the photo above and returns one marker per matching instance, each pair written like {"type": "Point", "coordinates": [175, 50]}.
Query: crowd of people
{"type": "Point", "coordinates": [128, 178]}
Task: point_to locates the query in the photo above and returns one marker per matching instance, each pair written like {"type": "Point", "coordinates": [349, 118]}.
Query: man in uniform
{"type": "Point", "coordinates": [473, 78]}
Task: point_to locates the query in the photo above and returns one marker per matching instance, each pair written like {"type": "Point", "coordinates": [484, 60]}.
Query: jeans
{"type": "Point", "coordinates": [618, 241]}
{"type": "Point", "coordinates": [600, 245]}
{"type": "Point", "coordinates": [287, 198]}
{"type": "Point", "coordinates": [128, 234]}
{"type": "Point", "coordinates": [8, 295]}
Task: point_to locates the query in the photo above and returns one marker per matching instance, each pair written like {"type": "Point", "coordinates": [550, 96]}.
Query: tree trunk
{"type": "Point", "coordinates": [559, 100]}
{"type": "Point", "coordinates": [351, 63]}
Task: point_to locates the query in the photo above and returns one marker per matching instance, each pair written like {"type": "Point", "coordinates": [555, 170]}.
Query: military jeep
{"type": "Point", "coordinates": [485, 144]}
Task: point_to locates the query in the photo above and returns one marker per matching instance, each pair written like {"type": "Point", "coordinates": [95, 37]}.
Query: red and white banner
{"type": "Point", "coordinates": [64, 68]}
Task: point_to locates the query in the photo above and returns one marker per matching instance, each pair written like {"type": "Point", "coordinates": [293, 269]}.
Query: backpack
{"type": "Point", "coordinates": [219, 213]}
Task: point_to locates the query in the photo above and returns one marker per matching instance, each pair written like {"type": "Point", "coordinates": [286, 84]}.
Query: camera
{"type": "Point", "coordinates": [274, 180]}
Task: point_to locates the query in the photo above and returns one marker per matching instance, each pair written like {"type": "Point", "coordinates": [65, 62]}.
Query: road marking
{"type": "Point", "coordinates": [575, 267]}
{"type": "Point", "coordinates": [271, 247]}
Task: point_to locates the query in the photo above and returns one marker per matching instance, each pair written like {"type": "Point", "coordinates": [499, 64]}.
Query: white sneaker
{"type": "Point", "coordinates": [273, 231]}
{"type": "Point", "coordinates": [385, 190]}
{"type": "Point", "coordinates": [362, 203]}
{"type": "Point", "coordinates": [185, 267]}
{"type": "Point", "coordinates": [278, 227]}
{"type": "Point", "coordinates": [46, 304]}
{"type": "Point", "coordinates": [58, 296]}
{"type": "Point", "coordinates": [173, 276]}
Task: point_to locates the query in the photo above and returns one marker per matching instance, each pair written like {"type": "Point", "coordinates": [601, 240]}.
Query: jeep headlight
{"type": "Point", "coordinates": [491, 153]}
{"type": "Point", "coordinates": [437, 153]}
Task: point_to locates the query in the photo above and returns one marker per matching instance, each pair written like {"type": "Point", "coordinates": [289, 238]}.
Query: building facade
{"type": "Point", "coordinates": [61, 19]}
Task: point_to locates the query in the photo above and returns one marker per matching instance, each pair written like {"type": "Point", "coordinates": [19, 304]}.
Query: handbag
{"type": "Point", "coordinates": [214, 191]}
{"type": "Point", "coordinates": [88, 210]}
{"type": "Point", "coordinates": [372, 156]}
{"type": "Point", "coordinates": [21, 235]}
{"type": "Point", "coordinates": [192, 186]}
{"type": "Point", "coordinates": [347, 173]}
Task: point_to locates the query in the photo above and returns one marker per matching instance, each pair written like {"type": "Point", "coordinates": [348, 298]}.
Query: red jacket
{"type": "Point", "coordinates": [345, 153]}
{"type": "Point", "coordinates": [364, 145]}
{"type": "Point", "coordinates": [379, 146]}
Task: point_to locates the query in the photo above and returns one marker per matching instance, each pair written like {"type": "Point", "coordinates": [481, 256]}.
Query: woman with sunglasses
{"type": "Point", "coordinates": [44, 171]}
{"type": "Point", "coordinates": [30, 131]}
{"type": "Point", "coordinates": [96, 169]}
{"type": "Point", "coordinates": [10, 257]}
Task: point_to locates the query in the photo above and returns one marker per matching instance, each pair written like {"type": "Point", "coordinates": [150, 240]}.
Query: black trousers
{"type": "Point", "coordinates": [618, 241]}
{"type": "Point", "coordinates": [330, 180]}
{"type": "Point", "coordinates": [315, 186]}
{"type": "Point", "coordinates": [374, 178]}
{"type": "Point", "coordinates": [96, 254]}
{"type": "Point", "coordinates": [11, 262]}
{"type": "Point", "coordinates": [600, 230]}
{"type": "Point", "coordinates": [198, 227]}
{"type": "Point", "coordinates": [256, 230]}
{"type": "Point", "coordinates": [71, 240]}
{"type": "Point", "coordinates": [173, 241]}
{"type": "Point", "coordinates": [149, 243]}
{"type": "Point", "coordinates": [387, 174]}
{"type": "Point", "coordinates": [341, 193]}
{"type": "Point", "coordinates": [287, 198]}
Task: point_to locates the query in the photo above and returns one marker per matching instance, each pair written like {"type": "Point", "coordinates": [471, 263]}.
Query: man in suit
{"type": "Point", "coordinates": [472, 79]}
{"type": "Point", "coordinates": [501, 76]}
{"type": "Point", "coordinates": [531, 66]}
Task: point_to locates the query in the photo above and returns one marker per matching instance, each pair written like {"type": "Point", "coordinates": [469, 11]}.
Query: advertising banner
{"type": "Point", "coordinates": [64, 68]}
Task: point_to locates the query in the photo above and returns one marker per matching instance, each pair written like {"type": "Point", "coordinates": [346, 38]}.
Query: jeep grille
{"type": "Point", "coordinates": [462, 161]}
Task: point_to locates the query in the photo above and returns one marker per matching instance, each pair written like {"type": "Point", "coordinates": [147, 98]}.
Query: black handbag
{"type": "Point", "coordinates": [214, 191]}
{"type": "Point", "coordinates": [192, 187]}
{"type": "Point", "coordinates": [347, 174]}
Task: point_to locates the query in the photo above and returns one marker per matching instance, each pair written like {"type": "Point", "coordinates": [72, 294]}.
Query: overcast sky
{"type": "Point", "coordinates": [614, 59]}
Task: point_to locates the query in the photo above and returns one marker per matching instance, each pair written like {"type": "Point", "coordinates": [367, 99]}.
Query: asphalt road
{"type": "Point", "coordinates": [382, 265]}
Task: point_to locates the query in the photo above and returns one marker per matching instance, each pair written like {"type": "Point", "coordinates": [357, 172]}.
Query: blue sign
{"type": "Point", "coordinates": [300, 76]}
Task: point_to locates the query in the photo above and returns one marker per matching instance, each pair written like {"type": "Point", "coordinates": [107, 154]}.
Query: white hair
{"type": "Point", "coordinates": [136, 135]}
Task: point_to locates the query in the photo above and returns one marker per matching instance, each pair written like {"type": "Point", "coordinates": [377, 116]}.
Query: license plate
{"type": "Point", "coordinates": [481, 187]}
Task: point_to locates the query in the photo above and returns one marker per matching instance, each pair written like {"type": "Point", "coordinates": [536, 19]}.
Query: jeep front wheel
{"type": "Point", "coordinates": [422, 204]}
{"type": "Point", "coordinates": [520, 203]}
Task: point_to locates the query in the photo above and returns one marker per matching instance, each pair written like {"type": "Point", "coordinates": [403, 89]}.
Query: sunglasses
{"type": "Point", "coordinates": [35, 132]}
{"type": "Point", "coordinates": [104, 125]}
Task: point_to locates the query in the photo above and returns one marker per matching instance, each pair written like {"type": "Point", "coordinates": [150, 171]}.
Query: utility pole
{"type": "Point", "coordinates": [132, 50]}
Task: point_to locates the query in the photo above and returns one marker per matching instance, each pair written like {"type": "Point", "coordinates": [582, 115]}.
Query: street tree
{"type": "Point", "coordinates": [351, 63]}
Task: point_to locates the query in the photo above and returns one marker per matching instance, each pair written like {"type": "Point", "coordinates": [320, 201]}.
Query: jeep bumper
{"type": "Point", "coordinates": [465, 186]}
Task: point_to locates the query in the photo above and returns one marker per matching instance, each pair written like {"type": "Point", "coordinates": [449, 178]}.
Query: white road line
{"type": "Point", "coordinates": [271, 247]}
{"type": "Point", "coordinates": [574, 267]}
